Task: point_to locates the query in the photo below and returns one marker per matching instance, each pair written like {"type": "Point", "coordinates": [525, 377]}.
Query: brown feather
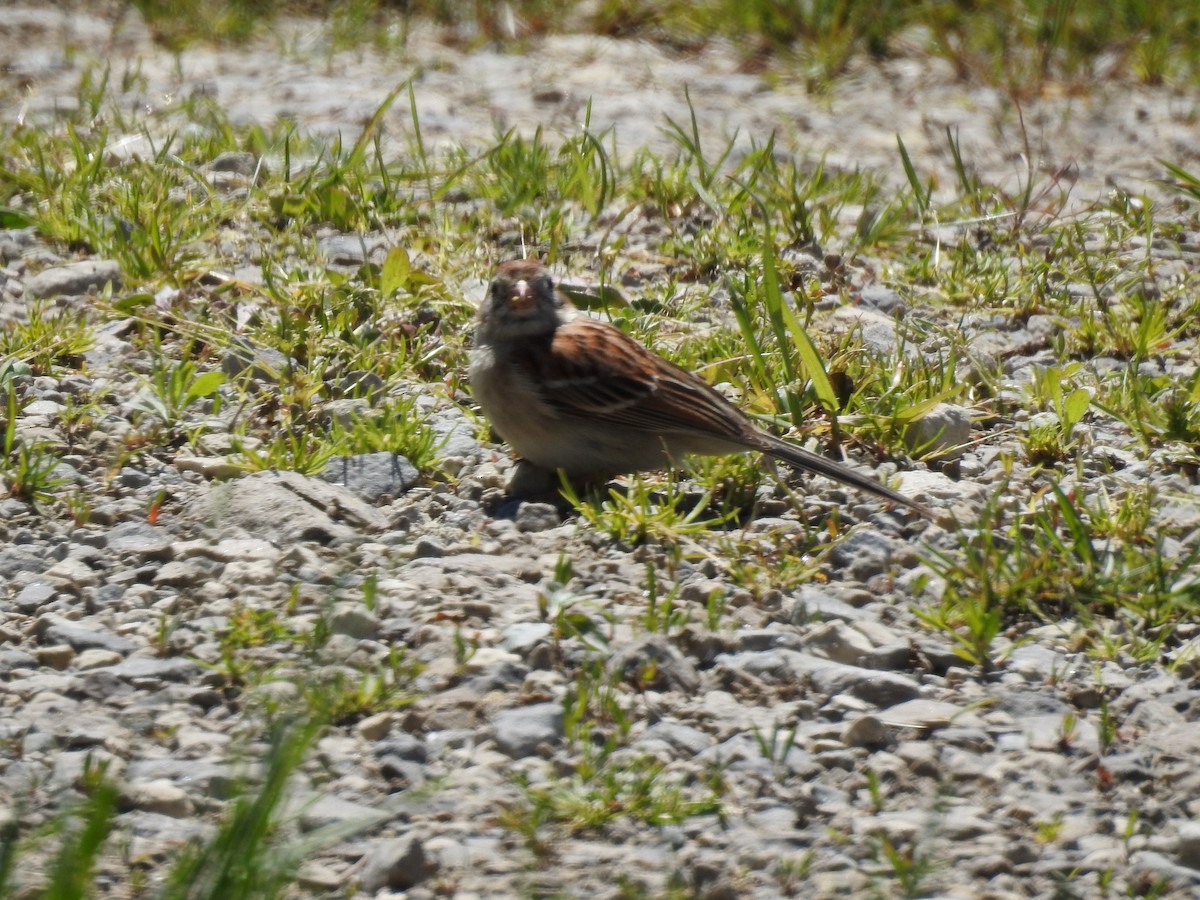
{"type": "Point", "coordinates": [580, 373]}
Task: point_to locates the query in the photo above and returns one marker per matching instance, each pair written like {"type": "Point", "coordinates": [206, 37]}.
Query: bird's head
{"type": "Point", "coordinates": [522, 300]}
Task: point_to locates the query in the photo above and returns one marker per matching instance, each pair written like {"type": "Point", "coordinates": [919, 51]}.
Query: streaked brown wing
{"type": "Point", "coordinates": [596, 371]}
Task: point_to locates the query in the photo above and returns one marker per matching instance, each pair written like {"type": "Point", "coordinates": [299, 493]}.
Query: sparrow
{"type": "Point", "coordinates": [571, 392]}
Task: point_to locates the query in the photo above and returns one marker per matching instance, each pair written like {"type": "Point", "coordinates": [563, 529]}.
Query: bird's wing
{"type": "Point", "coordinates": [594, 370]}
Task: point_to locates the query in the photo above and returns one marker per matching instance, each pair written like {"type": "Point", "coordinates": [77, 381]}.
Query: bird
{"type": "Point", "coordinates": [574, 393]}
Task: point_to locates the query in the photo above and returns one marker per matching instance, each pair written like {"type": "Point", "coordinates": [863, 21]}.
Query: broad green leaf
{"type": "Point", "coordinates": [205, 385]}
{"type": "Point", "coordinates": [1075, 406]}
{"type": "Point", "coordinates": [396, 271]}
{"type": "Point", "coordinates": [814, 366]}
{"type": "Point", "coordinates": [14, 218]}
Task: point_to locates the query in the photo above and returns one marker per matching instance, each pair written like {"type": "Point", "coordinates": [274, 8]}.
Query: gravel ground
{"type": "Point", "coordinates": [836, 724]}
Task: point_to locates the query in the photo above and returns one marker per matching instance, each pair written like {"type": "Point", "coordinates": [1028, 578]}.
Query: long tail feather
{"type": "Point", "coordinates": [799, 458]}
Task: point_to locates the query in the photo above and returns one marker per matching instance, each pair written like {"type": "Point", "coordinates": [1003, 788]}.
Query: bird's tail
{"type": "Point", "coordinates": [799, 458]}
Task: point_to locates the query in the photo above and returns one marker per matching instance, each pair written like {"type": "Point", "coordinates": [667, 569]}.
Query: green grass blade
{"type": "Point", "coordinates": [1185, 181]}
{"type": "Point", "coordinates": [790, 333]}
{"type": "Point", "coordinates": [920, 194]}
{"type": "Point", "coordinates": [358, 153]}
{"type": "Point", "coordinates": [240, 861]}
{"type": "Point", "coordinates": [71, 874]}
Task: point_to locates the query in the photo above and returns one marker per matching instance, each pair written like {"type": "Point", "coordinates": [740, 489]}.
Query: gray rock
{"type": "Point", "coordinates": [241, 550]}
{"type": "Point", "coordinates": [874, 329]}
{"type": "Point", "coordinates": [264, 363]}
{"type": "Point", "coordinates": [74, 278]}
{"type": "Point", "coordinates": [159, 796]}
{"type": "Point", "coordinates": [964, 823]}
{"type": "Point", "coordinates": [184, 573]}
{"type": "Point", "coordinates": [54, 630]}
{"type": "Point", "coordinates": [977, 740]}
{"type": "Point", "coordinates": [684, 738]}
{"type": "Point", "coordinates": [1055, 731]}
{"type": "Point", "coordinates": [134, 478]}
{"type": "Point", "coordinates": [37, 742]}
{"type": "Point", "coordinates": [15, 241]}
{"type": "Point", "coordinates": [751, 639]}
{"type": "Point", "coordinates": [839, 883]}
{"type": "Point", "coordinates": [107, 595]}
{"type": "Point", "coordinates": [348, 250]}
{"type": "Point", "coordinates": [206, 778]}
{"type": "Point", "coordinates": [939, 655]}
{"type": "Point", "coordinates": [521, 637]}
{"type": "Point", "coordinates": [883, 689]}
{"type": "Point", "coordinates": [156, 836]}
{"type": "Point", "coordinates": [502, 675]}
{"type": "Point", "coordinates": [372, 475]}
{"type": "Point", "coordinates": [653, 663]}
{"type": "Point", "coordinates": [458, 439]}
{"type": "Point", "coordinates": [428, 548]}
{"type": "Point", "coordinates": [404, 746]}
{"type": "Point", "coordinates": [13, 658]}
{"type": "Point", "coordinates": [893, 657]}
{"type": "Point", "coordinates": [316, 878]}
{"type": "Point", "coordinates": [19, 559]}
{"type": "Point", "coordinates": [49, 682]}
{"type": "Point", "coordinates": [865, 553]}
{"type": "Point", "coordinates": [777, 821]}
{"type": "Point", "coordinates": [1155, 865]}
{"type": "Point", "coordinates": [321, 810]}
{"type": "Point", "coordinates": [865, 731]}
{"type": "Point", "coordinates": [882, 298]}
{"type": "Point", "coordinates": [537, 517]}
{"type": "Point", "coordinates": [928, 714]}
{"type": "Point", "coordinates": [239, 162]}
{"type": "Point", "coordinates": [518, 732]}
{"type": "Point", "coordinates": [943, 433]}
{"type": "Point", "coordinates": [345, 412]}
{"type": "Point", "coordinates": [397, 864]}
{"type": "Point", "coordinates": [288, 506]}
{"type": "Point", "coordinates": [145, 668]}
{"type": "Point", "coordinates": [70, 766]}
{"type": "Point", "coordinates": [139, 541]}
{"type": "Point", "coordinates": [39, 408]}
{"type": "Point", "coordinates": [396, 769]}
{"type": "Point", "coordinates": [72, 573]}
{"type": "Point", "coordinates": [837, 641]}
{"type": "Point", "coordinates": [1153, 717]}
{"type": "Point", "coordinates": [1181, 742]}
{"type": "Point", "coordinates": [34, 596]}
{"type": "Point", "coordinates": [813, 604]}
{"type": "Point", "coordinates": [743, 753]}
{"type": "Point", "coordinates": [451, 739]}
{"type": "Point", "coordinates": [474, 565]}
{"type": "Point", "coordinates": [1130, 767]}
{"type": "Point", "coordinates": [1187, 845]}
{"type": "Point", "coordinates": [353, 619]}
{"type": "Point", "coordinates": [1036, 662]}
{"type": "Point", "coordinates": [921, 757]}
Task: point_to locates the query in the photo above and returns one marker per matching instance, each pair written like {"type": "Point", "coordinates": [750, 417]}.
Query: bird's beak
{"type": "Point", "coordinates": [521, 298]}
